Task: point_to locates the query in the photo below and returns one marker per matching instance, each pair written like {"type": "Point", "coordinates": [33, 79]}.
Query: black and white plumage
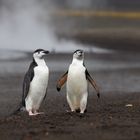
{"type": "Point", "coordinates": [35, 83]}
{"type": "Point", "coordinates": [76, 79]}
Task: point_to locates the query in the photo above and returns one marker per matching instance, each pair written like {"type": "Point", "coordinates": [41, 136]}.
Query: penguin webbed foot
{"type": "Point", "coordinates": [81, 115]}
{"type": "Point", "coordinates": [35, 113]}
{"type": "Point", "coordinates": [77, 110]}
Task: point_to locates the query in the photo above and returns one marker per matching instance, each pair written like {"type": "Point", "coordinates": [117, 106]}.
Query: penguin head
{"type": "Point", "coordinates": [39, 53]}
{"type": "Point", "coordinates": [79, 54]}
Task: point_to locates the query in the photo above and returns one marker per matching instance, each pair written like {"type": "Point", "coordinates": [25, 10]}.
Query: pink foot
{"type": "Point", "coordinates": [35, 113]}
{"type": "Point", "coordinates": [38, 113]}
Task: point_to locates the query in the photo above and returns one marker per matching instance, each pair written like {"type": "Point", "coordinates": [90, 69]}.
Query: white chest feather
{"type": "Point", "coordinates": [38, 86]}
{"type": "Point", "coordinates": [76, 82]}
{"type": "Point", "coordinates": [41, 76]}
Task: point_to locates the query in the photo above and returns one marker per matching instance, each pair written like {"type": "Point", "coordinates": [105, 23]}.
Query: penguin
{"type": "Point", "coordinates": [76, 79]}
{"type": "Point", "coordinates": [35, 83]}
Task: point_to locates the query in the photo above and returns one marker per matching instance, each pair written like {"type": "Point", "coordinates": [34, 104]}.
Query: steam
{"type": "Point", "coordinates": [21, 28]}
{"type": "Point", "coordinates": [25, 25]}
{"type": "Point", "coordinates": [86, 4]}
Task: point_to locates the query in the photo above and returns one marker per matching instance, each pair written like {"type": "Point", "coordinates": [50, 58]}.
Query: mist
{"type": "Point", "coordinates": [25, 25]}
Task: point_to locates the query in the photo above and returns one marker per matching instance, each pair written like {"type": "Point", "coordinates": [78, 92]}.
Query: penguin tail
{"type": "Point", "coordinates": [19, 109]}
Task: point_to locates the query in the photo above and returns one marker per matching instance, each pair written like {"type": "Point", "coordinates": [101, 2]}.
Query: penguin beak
{"type": "Point", "coordinates": [46, 52]}
{"type": "Point", "coordinates": [81, 53]}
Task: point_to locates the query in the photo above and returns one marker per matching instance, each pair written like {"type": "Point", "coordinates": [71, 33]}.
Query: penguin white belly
{"type": "Point", "coordinates": [38, 88]}
{"type": "Point", "coordinates": [76, 86]}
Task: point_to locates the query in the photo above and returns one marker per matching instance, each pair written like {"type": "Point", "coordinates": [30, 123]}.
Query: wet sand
{"type": "Point", "coordinates": [107, 118]}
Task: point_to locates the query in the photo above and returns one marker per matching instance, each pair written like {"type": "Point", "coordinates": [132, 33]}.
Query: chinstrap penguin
{"type": "Point", "coordinates": [76, 79]}
{"type": "Point", "coordinates": [35, 83]}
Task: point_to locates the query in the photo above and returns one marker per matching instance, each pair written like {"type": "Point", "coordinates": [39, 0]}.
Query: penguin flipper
{"type": "Point", "coordinates": [92, 82]}
{"type": "Point", "coordinates": [62, 81]}
{"type": "Point", "coordinates": [26, 86]}
{"type": "Point", "coordinates": [27, 79]}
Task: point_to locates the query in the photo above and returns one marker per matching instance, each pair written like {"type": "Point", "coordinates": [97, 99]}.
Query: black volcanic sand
{"type": "Point", "coordinates": [107, 118]}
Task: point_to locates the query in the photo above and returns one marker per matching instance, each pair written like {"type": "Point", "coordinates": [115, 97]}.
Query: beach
{"type": "Point", "coordinates": [114, 116]}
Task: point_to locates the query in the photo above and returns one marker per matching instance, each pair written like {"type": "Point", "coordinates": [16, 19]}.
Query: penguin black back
{"type": "Point", "coordinates": [27, 79]}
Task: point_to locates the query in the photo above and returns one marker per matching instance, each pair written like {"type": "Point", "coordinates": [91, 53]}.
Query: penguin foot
{"type": "Point", "coordinates": [32, 114]}
{"type": "Point", "coordinates": [68, 111]}
{"type": "Point", "coordinates": [39, 113]}
{"type": "Point", "coordinates": [85, 111]}
{"type": "Point", "coordinates": [81, 115]}
{"type": "Point", "coordinates": [35, 113]}
{"type": "Point", "coordinates": [77, 110]}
